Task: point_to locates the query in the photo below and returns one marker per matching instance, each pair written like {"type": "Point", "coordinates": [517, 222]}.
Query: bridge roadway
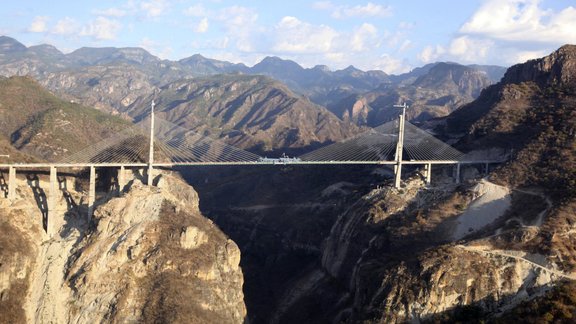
{"type": "Point", "coordinates": [10, 187]}
{"type": "Point", "coordinates": [270, 162]}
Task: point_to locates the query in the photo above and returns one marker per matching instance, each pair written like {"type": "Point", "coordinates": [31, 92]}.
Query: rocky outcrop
{"type": "Point", "coordinates": [554, 69]}
{"type": "Point", "coordinates": [147, 256]}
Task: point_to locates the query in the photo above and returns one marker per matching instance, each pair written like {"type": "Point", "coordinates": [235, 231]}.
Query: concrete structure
{"type": "Point", "coordinates": [418, 152]}
{"type": "Point", "coordinates": [151, 148]}
{"type": "Point", "coordinates": [92, 191]}
{"type": "Point", "coordinates": [399, 147]}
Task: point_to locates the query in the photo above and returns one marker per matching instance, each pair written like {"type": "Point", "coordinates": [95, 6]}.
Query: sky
{"type": "Point", "coordinates": [394, 36]}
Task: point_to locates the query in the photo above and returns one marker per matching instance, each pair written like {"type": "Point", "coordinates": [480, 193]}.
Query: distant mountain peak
{"type": "Point", "coordinates": [323, 68]}
{"type": "Point", "coordinates": [276, 61]}
{"type": "Point", "coordinates": [10, 45]}
{"type": "Point", "coordinates": [351, 69]}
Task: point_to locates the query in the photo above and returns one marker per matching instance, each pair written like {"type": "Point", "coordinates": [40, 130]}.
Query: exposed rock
{"type": "Point", "coordinates": [140, 263]}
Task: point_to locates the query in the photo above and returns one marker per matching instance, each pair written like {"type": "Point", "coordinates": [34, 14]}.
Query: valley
{"type": "Point", "coordinates": [288, 243]}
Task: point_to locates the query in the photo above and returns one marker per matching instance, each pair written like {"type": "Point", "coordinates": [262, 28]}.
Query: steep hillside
{"type": "Point", "coordinates": [532, 112]}
{"type": "Point", "coordinates": [37, 123]}
{"type": "Point", "coordinates": [252, 112]}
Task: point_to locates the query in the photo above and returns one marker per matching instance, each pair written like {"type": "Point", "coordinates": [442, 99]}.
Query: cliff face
{"type": "Point", "coordinates": [392, 257]}
{"type": "Point", "coordinates": [147, 256]}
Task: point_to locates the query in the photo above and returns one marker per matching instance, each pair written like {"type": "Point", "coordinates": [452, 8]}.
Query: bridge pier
{"type": "Point", "coordinates": [91, 192]}
{"type": "Point", "coordinates": [121, 179]}
{"type": "Point", "coordinates": [397, 175]}
{"type": "Point", "coordinates": [428, 173]}
{"type": "Point", "coordinates": [457, 177]}
{"type": "Point", "coordinates": [11, 183]}
{"type": "Point", "coordinates": [52, 201]}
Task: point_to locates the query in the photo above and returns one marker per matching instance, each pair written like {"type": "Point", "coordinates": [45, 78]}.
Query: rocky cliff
{"type": "Point", "coordinates": [147, 256]}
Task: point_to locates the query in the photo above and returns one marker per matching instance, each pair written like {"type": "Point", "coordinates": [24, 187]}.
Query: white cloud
{"type": "Point", "coordinates": [202, 26]}
{"type": "Point", "coordinates": [66, 26]}
{"type": "Point", "coordinates": [154, 8]}
{"type": "Point", "coordinates": [462, 49]}
{"type": "Point", "coordinates": [237, 16]}
{"type": "Point", "coordinates": [367, 33]}
{"type": "Point", "coordinates": [522, 21]}
{"type": "Point", "coordinates": [111, 12]}
{"type": "Point", "coordinates": [38, 25]}
{"type": "Point", "coordinates": [197, 10]}
{"type": "Point", "coordinates": [390, 65]}
{"type": "Point", "coordinates": [162, 51]}
{"type": "Point", "coordinates": [101, 28]}
{"type": "Point", "coordinates": [360, 11]}
{"type": "Point", "coordinates": [240, 25]}
{"type": "Point", "coordinates": [323, 5]}
{"type": "Point", "coordinates": [507, 32]}
{"type": "Point", "coordinates": [406, 44]}
{"type": "Point", "coordinates": [294, 36]}
{"type": "Point", "coordinates": [431, 53]}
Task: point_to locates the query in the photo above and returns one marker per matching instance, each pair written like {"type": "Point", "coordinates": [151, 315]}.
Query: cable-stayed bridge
{"type": "Point", "coordinates": [159, 143]}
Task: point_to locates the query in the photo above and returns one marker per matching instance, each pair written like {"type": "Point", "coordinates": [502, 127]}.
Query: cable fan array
{"type": "Point", "coordinates": [183, 146]}
{"type": "Point", "coordinates": [422, 146]}
{"type": "Point", "coordinates": [177, 145]}
{"type": "Point", "coordinates": [172, 144]}
{"type": "Point", "coordinates": [373, 145]}
{"type": "Point", "coordinates": [378, 144]}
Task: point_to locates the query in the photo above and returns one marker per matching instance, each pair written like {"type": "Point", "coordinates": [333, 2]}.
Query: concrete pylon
{"type": "Point", "coordinates": [11, 183]}
{"type": "Point", "coordinates": [457, 177]}
{"type": "Point", "coordinates": [91, 192]}
{"type": "Point", "coordinates": [428, 172]}
{"type": "Point", "coordinates": [121, 179]}
{"type": "Point", "coordinates": [151, 148]}
{"type": "Point", "coordinates": [399, 149]}
{"type": "Point", "coordinates": [52, 200]}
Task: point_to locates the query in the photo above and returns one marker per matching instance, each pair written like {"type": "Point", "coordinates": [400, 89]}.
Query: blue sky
{"type": "Point", "coordinates": [394, 36]}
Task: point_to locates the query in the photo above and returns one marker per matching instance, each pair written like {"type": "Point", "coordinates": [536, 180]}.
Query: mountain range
{"type": "Point", "coordinates": [121, 81]}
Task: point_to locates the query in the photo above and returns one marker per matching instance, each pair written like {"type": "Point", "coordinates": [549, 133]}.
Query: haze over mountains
{"type": "Point", "coordinates": [124, 81]}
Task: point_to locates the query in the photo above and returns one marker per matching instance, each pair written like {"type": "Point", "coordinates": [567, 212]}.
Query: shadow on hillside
{"type": "Point", "coordinates": [492, 310]}
{"type": "Point", "coordinates": [3, 185]}
{"type": "Point", "coordinates": [39, 197]}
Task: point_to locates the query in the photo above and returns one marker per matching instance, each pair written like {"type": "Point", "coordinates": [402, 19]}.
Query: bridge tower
{"type": "Point", "coordinates": [399, 146]}
{"type": "Point", "coordinates": [151, 152]}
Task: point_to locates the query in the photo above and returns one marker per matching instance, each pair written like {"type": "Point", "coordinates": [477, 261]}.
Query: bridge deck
{"type": "Point", "coordinates": [173, 164]}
